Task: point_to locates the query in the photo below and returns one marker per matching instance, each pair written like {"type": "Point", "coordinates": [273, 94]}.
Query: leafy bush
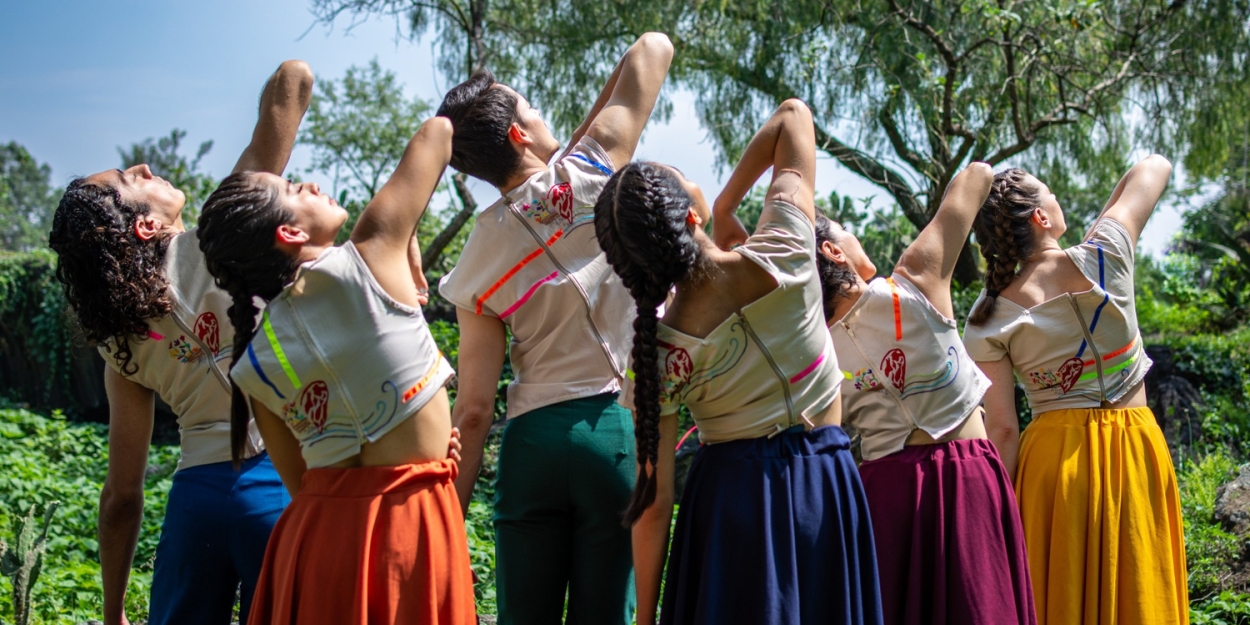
{"type": "Point", "coordinates": [1209, 550]}
{"type": "Point", "coordinates": [48, 459]}
{"type": "Point", "coordinates": [1228, 608]}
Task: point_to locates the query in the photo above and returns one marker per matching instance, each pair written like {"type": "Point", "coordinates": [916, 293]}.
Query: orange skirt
{"type": "Point", "coordinates": [369, 545]}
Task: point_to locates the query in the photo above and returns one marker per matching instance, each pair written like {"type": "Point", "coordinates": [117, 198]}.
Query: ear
{"type": "Point", "coordinates": [288, 234]}
{"type": "Point", "coordinates": [519, 135]}
{"type": "Point", "coordinates": [832, 252]}
{"type": "Point", "coordinates": [694, 218]}
{"type": "Point", "coordinates": [147, 226]}
{"type": "Point", "coordinates": [1040, 218]}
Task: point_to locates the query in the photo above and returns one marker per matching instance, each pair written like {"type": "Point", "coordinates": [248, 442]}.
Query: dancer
{"type": "Point", "coordinates": [950, 548]}
{"type": "Point", "coordinates": [1097, 491]}
{"type": "Point", "coordinates": [532, 266]}
{"type": "Point", "coordinates": [139, 288]}
{"type": "Point", "coordinates": [774, 526]}
{"type": "Point", "coordinates": [347, 387]}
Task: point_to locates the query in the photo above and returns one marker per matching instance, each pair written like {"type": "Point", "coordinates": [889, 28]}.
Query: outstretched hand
{"type": "Point", "coordinates": [727, 230]}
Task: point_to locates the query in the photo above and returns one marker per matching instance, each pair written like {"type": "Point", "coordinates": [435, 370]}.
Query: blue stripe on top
{"type": "Point", "coordinates": [597, 165]}
{"type": "Point", "coordinates": [251, 355]}
{"type": "Point", "coordinates": [1106, 297]}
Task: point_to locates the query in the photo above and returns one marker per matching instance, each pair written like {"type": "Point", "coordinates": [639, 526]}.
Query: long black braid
{"type": "Point", "coordinates": [237, 229]}
{"type": "Point", "coordinates": [641, 222]}
{"type": "Point", "coordinates": [835, 278]}
{"type": "Point", "coordinates": [1005, 235]}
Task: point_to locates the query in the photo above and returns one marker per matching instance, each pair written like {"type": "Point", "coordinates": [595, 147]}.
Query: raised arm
{"type": "Point", "coordinates": [787, 144]}
{"type": "Point", "coordinates": [929, 262]}
{"type": "Point", "coordinates": [131, 409]}
{"type": "Point", "coordinates": [282, 105]}
{"type": "Point", "coordinates": [619, 114]}
{"type": "Point", "coordinates": [383, 234]}
{"type": "Point", "coordinates": [1137, 194]}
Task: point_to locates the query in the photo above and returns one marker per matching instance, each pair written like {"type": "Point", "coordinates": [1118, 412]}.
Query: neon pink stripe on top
{"type": "Point", "coordinates": [810, 368]}
{"type": "Point", "coordinates": [528, 294]}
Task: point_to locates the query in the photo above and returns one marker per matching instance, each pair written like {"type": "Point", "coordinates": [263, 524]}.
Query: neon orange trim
{"type": "Point", "coordinates": [898, 311]}
{"type": "Point", "coordinates": [515, 268]}
{"type": "Point", "coordinates": [1122, 350]}
{"type": "Point", "coordinates": [416, 388]}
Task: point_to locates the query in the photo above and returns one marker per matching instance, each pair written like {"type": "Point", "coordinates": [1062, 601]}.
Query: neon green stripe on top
{"type": "Point", "coordinates": [1109, 370]}
{"type": "Point", "coordinates": [277, 351]}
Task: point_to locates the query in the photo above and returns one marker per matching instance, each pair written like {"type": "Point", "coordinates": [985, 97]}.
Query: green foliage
{"type": "Point", "coordinates": [22, 561]}
{"type": "Point", "coordinates": [49, 459]}
{"type": "Point", "coordinates": [163, 158]}
{"type": "Point", "coordinates": [1226, 608]}
{"type": "Point", "coordinates": [35, 339]}
{"type": "Point", "coordinates": [1209, 549]}
{"type": "Point", "coordinates": [27, 200]}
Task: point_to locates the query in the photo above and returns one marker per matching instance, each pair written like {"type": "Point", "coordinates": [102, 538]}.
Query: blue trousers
{"type": "Point", "coordinates": [217, 524]}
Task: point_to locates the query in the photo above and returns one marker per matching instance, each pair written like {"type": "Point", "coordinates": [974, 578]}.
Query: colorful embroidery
{"type": "Point", "coordinates": [864, 379]}
{"type": "Point", "coordinates": [416, 388]}
{"type": "Point", "coordinates": [207, 328]}
{"type": "Point", "coordinates": [528, 294]}
{"type": "Point", "coordinates": [379, 413]}
{"type": "Point", "coordinates": [184, 351]}
{"type": "Point", "coordinates": [560, 198]}
{"type": "Point", "coordinates": [682, 374]}
{"type": "Point", "coordinates": [894, 366]}
{"type": "Point", "coordinates": [309, 409]}
{"type": "Point", "coordinates": [1044, 378]}
{"type": "Point", "coordinates": [514, 270]}
{"type": "Point", "coordinates": [538, 210]}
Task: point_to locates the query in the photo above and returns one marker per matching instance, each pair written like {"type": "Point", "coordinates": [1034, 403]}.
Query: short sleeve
{"type": "Point", "coordinates": [982, 342]}
{"type": "Point", "coordinates": [587, 169]}
{"type": "Point", "coordinates": [106, 352]}
{"type": "Point", "coordinates": [1107, 257]}
{"type": "Point", "coordinates": [784, 243]}
{"type": "Point", "coordinates": [1114, 237]}
{"type": "Point", "coordinates": [459, 284]}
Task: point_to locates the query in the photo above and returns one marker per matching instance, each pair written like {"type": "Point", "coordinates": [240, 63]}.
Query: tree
{"type": "Point", "coordinates": [163, 157]}
{"type": "Point", "coordinates": [905, 92]}
{"type": "Point", "coordinates": [27, 199]}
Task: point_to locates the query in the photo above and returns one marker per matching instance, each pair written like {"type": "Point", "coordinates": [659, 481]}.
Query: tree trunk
{"type": "Point", "coordinates": [468, 205]}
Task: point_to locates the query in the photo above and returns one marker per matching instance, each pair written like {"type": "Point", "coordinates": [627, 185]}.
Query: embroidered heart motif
{"type": "Point", "coordinates": [315, 402]}
{"type": "Point", "coordinates": [560, 199]}
{"type": "Point", "coordinates": [679, 365]}
{"type": "Point", "coordinates": [1070, 372]}
{"type": "Point", "coordinates": [207, 328]}
{"type": "Point", "coordinates": [894, 366]}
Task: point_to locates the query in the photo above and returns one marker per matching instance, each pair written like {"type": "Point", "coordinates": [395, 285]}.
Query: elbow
{"type": "Point", "coordinates": [297, 74]}
{"type": "Point", "coordinates": [1159, 164]}
{"type": "Point", "coordinates": [980, 169]}
{"type": "Point", "coordinates": [475, 418]}
{"type": "Point", "coordinates": [116, 503]}
{"type": "Point", "coordinates": [796, 108]}
{"type": "Point", "coordinates": [657, 44]}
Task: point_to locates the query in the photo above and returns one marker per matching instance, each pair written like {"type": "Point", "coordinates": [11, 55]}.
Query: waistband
{"type": "Point", "coordinates": [374, 481]}
{"type": "Point", "coordinates": [786, 444]}
{"type": "Point", "coordinates": [962, 449]}
{"type": "Point", "coordinates": [1084, 417]}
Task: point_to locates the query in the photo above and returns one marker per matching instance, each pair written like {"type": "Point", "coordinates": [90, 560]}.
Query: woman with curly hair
{"type": "Point", "coordinates": [1097, 491]}
{"type": "Point", "coordinates": [346, 384]}
{"type": "Point", "coordinates": [773, 526]}
{"type": "Point", "coordinates": [950, 548]}
{"type": "Point", "coordinates": [139, 288]}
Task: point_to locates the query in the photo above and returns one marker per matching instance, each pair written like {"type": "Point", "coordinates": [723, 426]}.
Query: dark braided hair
{"type": "Point", "coordinates": [640, 219]}
{"type": "Point", "coordinates": [114, 280]}
{"type": "Point", "coordinates": [835, 278]}
{"type": "Point", "coordinates": [1006, 237]}
{"type": "Point", "coordinates": [237, 229]}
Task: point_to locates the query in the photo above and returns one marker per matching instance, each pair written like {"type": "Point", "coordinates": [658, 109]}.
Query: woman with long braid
{"type": "Point", "coordinates": [774, 527]}
{"type": "Point", "coordinates": [140, 291]}
{"type": "Point", "coordinates": [346, 384]}
{"type": "Point", "coordinates": [1097, 491]}
{"type": "Point", "coordinates": [950, 548]}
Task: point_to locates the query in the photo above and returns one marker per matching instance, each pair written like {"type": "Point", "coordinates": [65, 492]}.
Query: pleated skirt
{"type": "Point", "coordinates": [369, 545]}
{"type": "Point", "coordinates": [773, 531]}
{"type": "Point", "coordinates": [950, 546]}
{"type": "Point", "coordinates": [1102, 519]}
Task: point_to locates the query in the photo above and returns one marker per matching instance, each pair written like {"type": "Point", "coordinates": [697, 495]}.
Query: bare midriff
{"type": "Point", "coordinates": [972, 428]}
{"type": "Point", "coordinates": [423, 437]}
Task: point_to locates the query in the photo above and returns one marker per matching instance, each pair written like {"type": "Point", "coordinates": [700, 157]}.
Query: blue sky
{"type": "Point", "coordinates": [82, 78]}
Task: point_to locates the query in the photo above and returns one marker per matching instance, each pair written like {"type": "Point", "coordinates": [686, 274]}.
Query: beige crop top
{"type": "Point", "coordinates": [339, 359]}
{"type": "Point", "coordinates": [904, 368]}
{"type": "Point", "coordinates": [185, 355]}
{"type": "Point", "coordinates": [768, 367]}
{"type": "Point", "coordinates": [533, 261]}
{"type": "Point", "coordinates": [1079, 349]}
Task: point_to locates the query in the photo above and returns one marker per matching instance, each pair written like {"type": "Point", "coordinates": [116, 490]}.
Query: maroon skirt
{"type": "Point", "coordinates": [950, 546]}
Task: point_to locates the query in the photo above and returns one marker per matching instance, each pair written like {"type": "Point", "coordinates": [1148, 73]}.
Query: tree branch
{"type": "Point", "coordinates": [468, 205]}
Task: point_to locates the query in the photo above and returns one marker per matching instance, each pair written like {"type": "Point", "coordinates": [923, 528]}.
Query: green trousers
{"type": "Point", "coordinates": [566, 472]}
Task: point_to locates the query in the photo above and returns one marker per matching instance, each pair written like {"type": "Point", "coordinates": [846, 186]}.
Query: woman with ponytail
{"type": "Point", "coordinates": [1094, 478]}
{"type": "Point", "coordinates": [346, 385]}
{"type": "Point", "coordinates": [950, 548]}
{"type": "Point", "coordinates": [141, 292]}
{"type": "Point", "coordinates": [773, 526]}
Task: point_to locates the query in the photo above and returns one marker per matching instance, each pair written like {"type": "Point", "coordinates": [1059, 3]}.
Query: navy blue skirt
{"type": "Point", "coordinates": [774, 531]}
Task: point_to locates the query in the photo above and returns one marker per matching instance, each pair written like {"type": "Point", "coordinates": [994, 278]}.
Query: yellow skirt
{"type": "Point", "coordinates": [1102, 519]}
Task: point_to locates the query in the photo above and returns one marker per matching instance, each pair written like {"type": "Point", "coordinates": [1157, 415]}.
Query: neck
{"type": "Point", "coordinates": [1045, 245]}
{"type": "Point", "coordinates": [847, 300]}
{"type": "Point", "coordinates": [531, 164]}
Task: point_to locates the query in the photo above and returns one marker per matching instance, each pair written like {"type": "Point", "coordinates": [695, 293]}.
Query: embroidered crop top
{"type": "Point", "coordinates": [1079, 349]}
{"type": "Point", "coordinates": [533, 261]}
{"type": "Point", "coordinates": [339, 359]}
{"type": "Point", "coordinates": [185, 355]}
{"type": "Point", "coordinates": [904, 368]}
{"type": "Point", "coordinates": [768, 367]}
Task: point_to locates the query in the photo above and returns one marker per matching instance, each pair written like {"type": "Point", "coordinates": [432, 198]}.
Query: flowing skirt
{"type": "Point", "coordinates": [773, 531]}
{"type": "Point", "coordinates": [950, 547]}
{"type": "Point", "coordinates": [1102, 519]}
{"type": "Point", "coordinates": [369, 545]}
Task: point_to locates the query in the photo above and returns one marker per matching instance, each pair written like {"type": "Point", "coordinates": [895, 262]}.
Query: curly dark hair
{"type": "Point", "coordinates": [237, 237]}
{"type": "Point", "coordinates": [835, 279]}
{"type": "Point", "coordinates": [640, 219]}
{"type": "Point", "coordinates": [113, 280]}
{"type": "Point", "coordinates": [481, 115]}
{"type": "Point", "coordinates": [1006, 237]}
